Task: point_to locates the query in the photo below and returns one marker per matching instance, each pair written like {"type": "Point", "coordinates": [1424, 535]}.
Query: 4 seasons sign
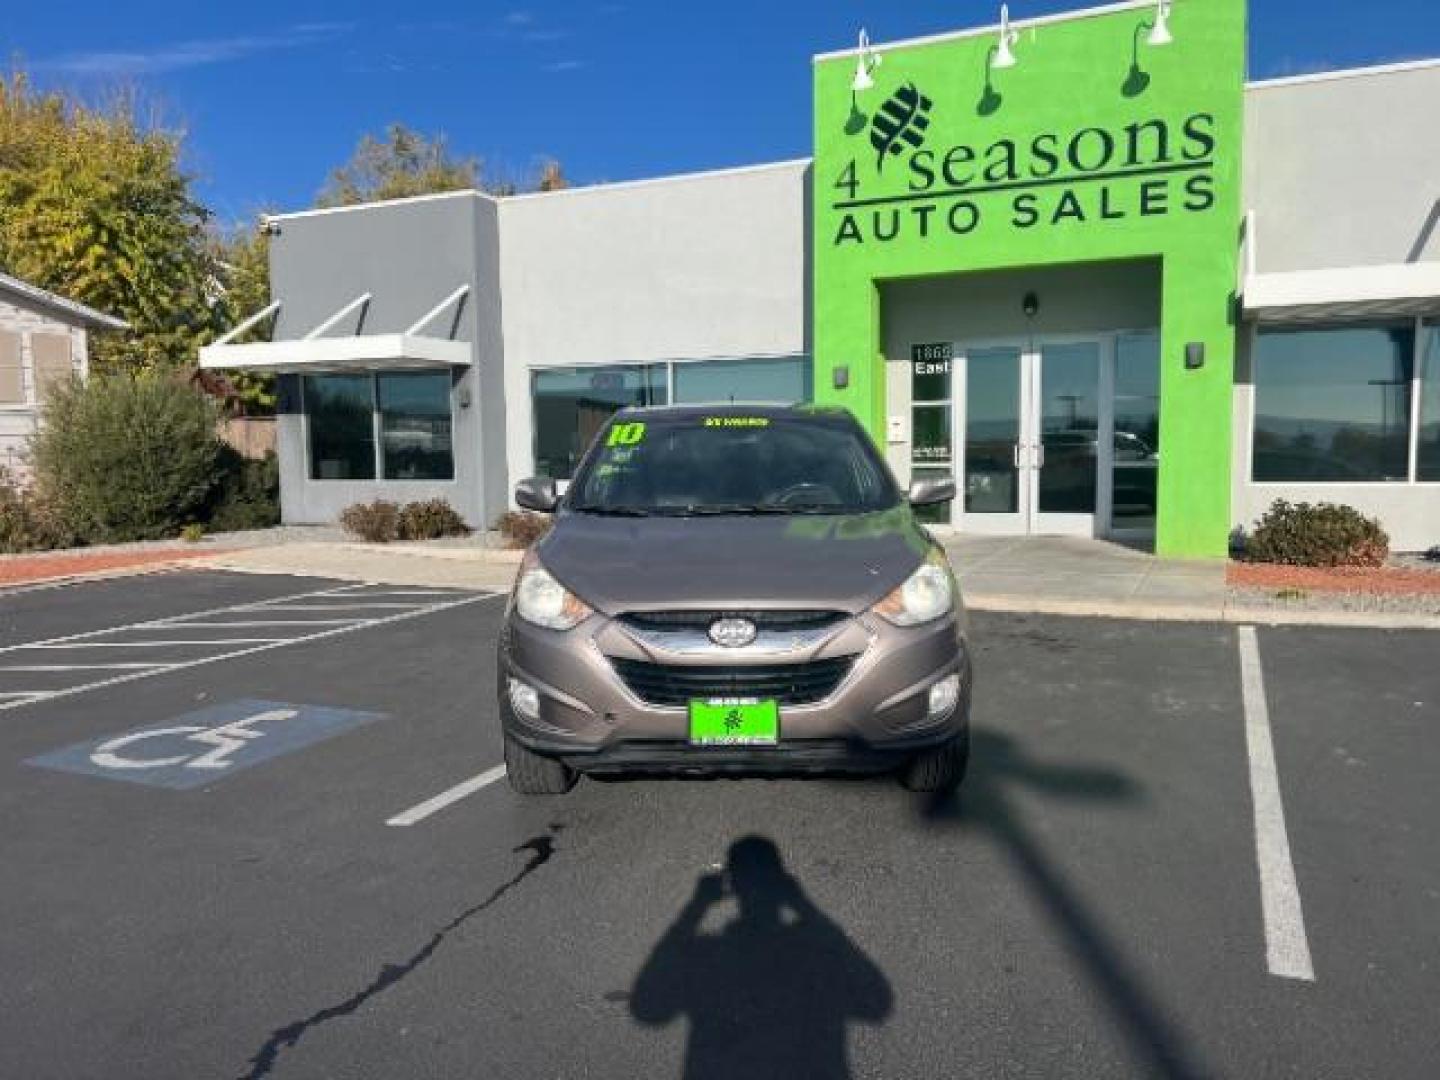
{"type": "Point", "coordinates": [1143, 168]}
{"type": "Point", "coordinates": [1090, 145]}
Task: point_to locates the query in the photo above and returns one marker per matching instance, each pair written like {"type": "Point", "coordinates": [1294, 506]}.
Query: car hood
{"type": "Point", "coordinates": [841, 562]}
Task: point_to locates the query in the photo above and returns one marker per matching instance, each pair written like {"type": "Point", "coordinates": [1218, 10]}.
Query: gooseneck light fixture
{"type": "Point", "coordinates": [1137, 81]}
{"type": "Point", "coordinates": [1003, 54]}
{"type": "Point", "coordinates": [865, 65]}
{"type": "Point", "coordinates": [1160, 28]}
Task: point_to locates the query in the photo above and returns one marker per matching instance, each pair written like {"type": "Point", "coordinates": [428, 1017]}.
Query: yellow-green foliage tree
{"type": "Point", "coordinates": [242, 258]}
{"type": "Point", "coordinates": [94, 206]}
{"type": "Point", "coordinates": [401, 164]}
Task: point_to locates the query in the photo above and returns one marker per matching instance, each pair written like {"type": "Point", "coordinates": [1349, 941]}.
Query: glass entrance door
{"type": "Point", "coordinates": [1034, 437]}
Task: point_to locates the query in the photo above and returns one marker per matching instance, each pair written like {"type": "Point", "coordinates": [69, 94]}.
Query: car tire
{"type": "Point", "coordinates": [530, 773]}
{"type": "Point", "coordinates": [941, 769]}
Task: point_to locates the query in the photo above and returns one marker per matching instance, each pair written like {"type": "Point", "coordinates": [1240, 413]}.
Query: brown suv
{"type": "Point", "coordinates": [734, 589]}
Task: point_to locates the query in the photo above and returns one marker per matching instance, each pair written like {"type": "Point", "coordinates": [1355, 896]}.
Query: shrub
{"type": "Point", "coordinates": [430, 520]}
{"type": "Point", "coordinates": [248, 496]}
{"type": "Point", "coordinates": [193, 533]}
{"type": "Point", "coordinates": [521, 528]}
{"type": "Point", "coordinates": [29, 523]}
{"type": "Point", "coordinates": [127, 456]}
{"type": "Point", "coordinates": [378, 522]}
{"type": "Point", "coordinates": [1319, 534]}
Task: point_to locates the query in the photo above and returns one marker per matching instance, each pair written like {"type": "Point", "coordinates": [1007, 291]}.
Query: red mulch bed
{"type": "Point", "coordinates": [1393, 580]}
{"type": "Point", "coordinates": [29, 568]}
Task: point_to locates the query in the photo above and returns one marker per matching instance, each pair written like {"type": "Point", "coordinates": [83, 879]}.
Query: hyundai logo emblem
{"type": "Point", "coordinates": [732, 633]}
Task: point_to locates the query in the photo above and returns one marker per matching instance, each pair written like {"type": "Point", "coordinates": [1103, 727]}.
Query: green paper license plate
{"type": "Point", "coordinates": [734, 722]}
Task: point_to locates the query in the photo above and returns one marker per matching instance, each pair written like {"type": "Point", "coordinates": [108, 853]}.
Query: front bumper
{"type": "Point", "coordinates": [873, 719]}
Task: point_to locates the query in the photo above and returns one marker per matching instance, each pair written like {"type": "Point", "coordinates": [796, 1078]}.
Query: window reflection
{"type": "Point", "coordinates": [1333, 404]}
{"type": "Point", "coordinates": [339, 411]}
{"type": "Point", "coordinates": [572, 405]}
{"type": "Point", "coordinates": [1429, 450]}
{"type": "Point", "coordinates": [1136, 461]}
{"type": "Point", "coordinates": [415, 426]}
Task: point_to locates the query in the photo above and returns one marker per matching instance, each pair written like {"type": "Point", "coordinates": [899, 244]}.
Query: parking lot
{"type": "Point", "coordinates": [254, 827]}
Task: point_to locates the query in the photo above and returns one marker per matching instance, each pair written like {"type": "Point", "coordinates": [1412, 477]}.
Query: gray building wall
{"type": "Point", "coordinates": [1341, 170]}
{"type": "Point", "coordinates": [409, 254]}
{"type": "Point", "coordinates": [1344, 170]}
{"type": "Point", "coordinates": [699, 266]}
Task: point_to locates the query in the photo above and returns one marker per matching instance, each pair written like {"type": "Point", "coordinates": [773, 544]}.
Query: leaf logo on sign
{"type": "Point", "coordinates": [900, 123]}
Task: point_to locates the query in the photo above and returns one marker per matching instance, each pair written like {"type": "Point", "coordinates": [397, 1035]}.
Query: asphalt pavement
{"type": "Point", "coordinates": [200, 880]}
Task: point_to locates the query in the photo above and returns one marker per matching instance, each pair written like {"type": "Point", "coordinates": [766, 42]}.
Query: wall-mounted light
{"type": "Point", "coordinates": [865, 65]}
{"type": "Point", "coordinates": [1003, 55]}
{"type": "Point", "coordinates": [1030, 305]}
{"type": "Point", "coordinates": [1160, 30]}
{"type": "Point", "coordinates": [1137, 81]}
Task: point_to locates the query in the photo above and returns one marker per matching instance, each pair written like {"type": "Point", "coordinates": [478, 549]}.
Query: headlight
{"type": "Point", "coordinates": [542, 600]}
{"type": "Point", "coordinates": [925, 595]}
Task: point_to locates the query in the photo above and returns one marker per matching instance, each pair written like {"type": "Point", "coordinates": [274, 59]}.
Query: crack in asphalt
{"type": "Point", "coordinates": [541, 849]}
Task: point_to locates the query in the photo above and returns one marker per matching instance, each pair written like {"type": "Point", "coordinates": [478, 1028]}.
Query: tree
{"type": "Point", "coordinates": [94, 206]}
{"type": "Point", "coordinates": [401, 164]}
{"type": "Point", "coordinates": [242, 259]}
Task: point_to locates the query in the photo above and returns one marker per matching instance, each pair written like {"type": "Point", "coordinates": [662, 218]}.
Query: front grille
{"type": "Point", "coordinates": [699, 621]}
{"type": "Point", "coordinates": [677, 684]}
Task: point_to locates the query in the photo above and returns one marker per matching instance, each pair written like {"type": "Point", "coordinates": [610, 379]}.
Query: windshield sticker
{"type": "Point", "coordinates": [626, 434]}
{"type": "Point", "coordinates": [737, 421]}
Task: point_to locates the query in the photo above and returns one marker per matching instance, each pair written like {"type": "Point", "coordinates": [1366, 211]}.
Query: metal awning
{"type": "Point", "coordinates": [1403, 290]}
{"type": "Point", "coordinates": [356, 352]}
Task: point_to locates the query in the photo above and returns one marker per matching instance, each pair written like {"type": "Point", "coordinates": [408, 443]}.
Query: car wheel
{"type": "Point", "coordinates": [530, 773]}
{"type": "Point", "coordinates": [940, 769]}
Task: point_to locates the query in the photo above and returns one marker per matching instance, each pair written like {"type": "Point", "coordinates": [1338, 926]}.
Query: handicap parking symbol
{"type": "Point", "coordinates": [205, 745]}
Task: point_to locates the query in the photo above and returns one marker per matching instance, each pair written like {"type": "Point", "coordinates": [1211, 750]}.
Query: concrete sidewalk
{"type": "Point", "coordinates": [1068, 575]}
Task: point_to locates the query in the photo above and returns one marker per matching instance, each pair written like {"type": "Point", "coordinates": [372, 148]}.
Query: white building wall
{"type": "Point", "coordinates": [19, 422]}
{"type": "Point", "coordinates": [1341, 169]}
{"type": "Point", "coordinates": [707, 265]}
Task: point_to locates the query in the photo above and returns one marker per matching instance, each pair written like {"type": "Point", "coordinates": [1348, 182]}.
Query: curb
{"type": "Point", "coordinates": [1217, 613]}
{"type": "Point", "coordinates": [11, 588]}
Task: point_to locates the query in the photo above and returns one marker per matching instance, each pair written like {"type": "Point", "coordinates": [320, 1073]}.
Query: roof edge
{"type": "Point", "coordinates": [83, 313]}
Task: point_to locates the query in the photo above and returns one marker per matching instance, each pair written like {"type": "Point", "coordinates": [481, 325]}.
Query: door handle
{"type": "Point", "coordinates": [1015, 455]}
{"type": "Point", "coordinates": [1039, 455]}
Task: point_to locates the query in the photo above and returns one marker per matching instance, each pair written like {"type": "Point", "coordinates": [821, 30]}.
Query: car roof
{"type": "Point", "coordinates": [770, 410]}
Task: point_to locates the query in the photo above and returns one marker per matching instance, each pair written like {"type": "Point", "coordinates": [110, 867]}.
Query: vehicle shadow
{"type": "Point", "coordinates": [769, 994]}
{"type": "Point", "coordinates": [999, 764]}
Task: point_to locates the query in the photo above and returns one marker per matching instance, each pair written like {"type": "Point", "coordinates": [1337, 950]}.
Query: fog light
{"type": "Point", "coordinates": [943, 696]}
{"type": "Point", "coordinates": [525, 699]}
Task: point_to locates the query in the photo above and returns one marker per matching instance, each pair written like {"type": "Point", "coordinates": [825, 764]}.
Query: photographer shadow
{"type": "Point", "coordinates": [769, 994]}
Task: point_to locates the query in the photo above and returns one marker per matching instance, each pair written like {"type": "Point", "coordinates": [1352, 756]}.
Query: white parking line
{"type": "Point", "coordinates": [278, 622]}
{"type": "Point", "coordinates": [1287, 951]}
{"type": "Point", "coordinates": [149, 642]}
{"type": "Point", "coordinates": [422, 811]}
{"type": "Point", "coordinates": [349, 627]}
{"type": "Point", "coordinates": [133, 666]}
{"type": "Point", "coordinates": [166, 622]}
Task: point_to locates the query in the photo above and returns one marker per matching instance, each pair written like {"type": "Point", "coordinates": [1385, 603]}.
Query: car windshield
{"type": "Point", "coordinates": [694, 464]}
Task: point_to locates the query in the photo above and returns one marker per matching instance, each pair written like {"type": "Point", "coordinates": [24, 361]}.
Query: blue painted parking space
{"type": "Point", "coordinates": [198, 748]}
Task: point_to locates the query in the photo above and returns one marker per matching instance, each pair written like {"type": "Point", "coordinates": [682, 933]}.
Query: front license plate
{"type": "Point", "coordinates": [734, 722]}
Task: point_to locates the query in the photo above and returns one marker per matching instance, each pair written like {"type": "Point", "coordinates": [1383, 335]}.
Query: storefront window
{"type": "Point", "coordinates": [932, 451]}
{"type": "Point", "coordinates": [1333, 404]}
{"type": "Point", "coordinates": [1137, 431]}
{"type": "Point", "coordinates": [572, 405]}
{"type": "Point", "coordinates": [415, 440]}
{"type": "Point", "coordinates": [339, 411]}
{"type": "Point", "coordinates": [1428, 463]}
{"type": "Point", "coordinates": [784, 381]}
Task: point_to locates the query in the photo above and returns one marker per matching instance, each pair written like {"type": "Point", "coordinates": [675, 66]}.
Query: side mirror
{"type": "Point", "coordinates": [932, 491]}
{"type": "Point", "coordinates": [537, 493]}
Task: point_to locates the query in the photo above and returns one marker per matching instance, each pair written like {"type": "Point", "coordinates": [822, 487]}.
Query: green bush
{"type": "Point", "coordinates": [248, 496]}
{"type": "Point", "coordinates": [521, 528]}
{"type": "Point", "coordinates": [430, 520]}
{"type": "Point", "coordinates": [1319, 534]}
{"type": "Point", "coordinates": [127, 456]}
{"type": "Point", "coordinates": [377, 522]}
{"type": "Point", "coordinates": [28, 522]}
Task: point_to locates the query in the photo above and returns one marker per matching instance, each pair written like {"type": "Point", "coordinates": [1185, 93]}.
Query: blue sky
{"type": "Point", "coordinates": [274, 94]}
